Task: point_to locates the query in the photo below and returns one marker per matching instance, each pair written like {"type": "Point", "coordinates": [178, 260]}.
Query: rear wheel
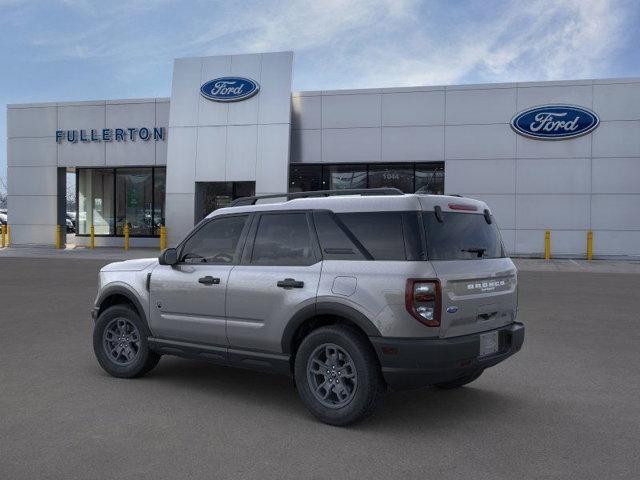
{"type": "Point", "coordinates": [338, 376]}
{"type": "Point", "coordinates": [120, 343]}
{"type": "Point", "coordinates": [459, 382]}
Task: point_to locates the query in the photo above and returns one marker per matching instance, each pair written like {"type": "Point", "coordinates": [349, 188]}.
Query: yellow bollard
{"type": "Point", "coordinates": [58, 237]}
{"type": "Point", "coordinates": [8, 234]}
{"type": "Point", "coordinates": [126, 236]}
{"type": "Point", "coordinates": [4, 235]}
{"type": "Point", "coordinates": [589, 245]}
{"type": "Point", "coordinates": [163, 237]}
{"type": "Point", "coordinates": [547, 244]}
{"type": "Point", "coordinates": [92, 237]}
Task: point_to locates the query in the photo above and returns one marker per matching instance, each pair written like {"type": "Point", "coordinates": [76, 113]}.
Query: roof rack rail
{"type": "Point", "coordinates": [243, 201]}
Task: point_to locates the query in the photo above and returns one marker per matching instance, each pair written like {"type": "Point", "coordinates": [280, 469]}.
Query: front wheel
{"type": "Point", "coordinates": [120, 343]}
{"type": "Point", "coordinates": [338, 376]}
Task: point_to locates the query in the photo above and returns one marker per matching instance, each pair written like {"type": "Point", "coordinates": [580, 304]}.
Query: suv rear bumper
{"type": "Point", "coordinates": [411, 363]}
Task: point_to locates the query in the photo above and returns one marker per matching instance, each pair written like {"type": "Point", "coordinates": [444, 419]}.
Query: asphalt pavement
{"type": "Point", "coordinates": [567, 406]}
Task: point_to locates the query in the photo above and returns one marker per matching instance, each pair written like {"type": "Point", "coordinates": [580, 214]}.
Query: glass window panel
{"type": "Point", "coordinates": [305, 178]}
{"type": "Point", "coordinates": [461, 236]}
{"type": "Point", "coordinates": [340, 177]}
{"type": "Point", "coordinates": [95, 201]}
{"type": "Point", "coordinates": [430, 178]}
{"type": "Point", "coordinates": [134, 196]}
{"type": "Point", "coordinates": [159, 195]}
{"type": "Point", "coordinates": [334, 242]}
{"type": "Point", "coordinates": [283, 239]}
{"type": "Point", "coordinates": [397, 175]}
{"type": "Point", "coordinates": [216, 242]}
{"type": "Point", "coordinates": [379, 232]}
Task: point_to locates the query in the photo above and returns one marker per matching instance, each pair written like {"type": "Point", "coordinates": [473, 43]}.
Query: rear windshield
{"type": "Point", "coordinates": [461, 236]}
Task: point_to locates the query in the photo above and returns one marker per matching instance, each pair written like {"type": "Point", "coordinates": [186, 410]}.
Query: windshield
{"type": "Point", "coordinates": [461, 236]}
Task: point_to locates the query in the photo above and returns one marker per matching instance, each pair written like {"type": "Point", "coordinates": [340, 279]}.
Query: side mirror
{"type": "Point", "coordinates": [168, 257]}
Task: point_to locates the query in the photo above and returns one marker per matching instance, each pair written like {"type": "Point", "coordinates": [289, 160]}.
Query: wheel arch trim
{"type": "Point", "coordinates": [326, 308]}
{"type": "Point", "coordinates": [121, 289]}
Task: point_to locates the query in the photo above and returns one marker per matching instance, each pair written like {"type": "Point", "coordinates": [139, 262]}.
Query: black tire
{"type": "Point", "coordinates": [369, 389]}
{"type": "Point", "coordinates": [459, 382]}
{"type": "Point", "coordinates": [142, 358]}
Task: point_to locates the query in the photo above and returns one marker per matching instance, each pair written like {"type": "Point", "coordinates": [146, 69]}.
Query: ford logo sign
{"type": "Point", "coordinates": [555, 122]}
{"type": "Point", "coordinates": [229, 89]}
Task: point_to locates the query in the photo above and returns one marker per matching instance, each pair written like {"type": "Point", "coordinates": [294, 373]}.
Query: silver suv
{"type": "Point", "coordinates": [348, 292]}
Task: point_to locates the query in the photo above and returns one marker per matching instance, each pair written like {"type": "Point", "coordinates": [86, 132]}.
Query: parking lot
{"type": "Point", "coordinates": [567, 406]}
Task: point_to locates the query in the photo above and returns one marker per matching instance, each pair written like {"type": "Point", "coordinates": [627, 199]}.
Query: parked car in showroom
{"type": "Point", "coordinates": [348, 292]}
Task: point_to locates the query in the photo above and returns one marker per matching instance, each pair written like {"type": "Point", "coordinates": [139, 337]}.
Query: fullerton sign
{"type": "Point", "coordinates": [555, 122]}
{"type": "Point", "coordinates": [110, 135]}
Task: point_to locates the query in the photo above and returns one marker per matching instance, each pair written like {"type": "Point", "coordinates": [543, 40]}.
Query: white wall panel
{"type": "Point", "coordinates": [81, 154]}
{"type": "Point", "coordinates": [37, 152]}
{"type": "Point", "coordinates": [32, 180]}
{"type": "Point", "coordinates": [541, 95]}
{"type": "Point", "coordinates": [138, 152]}
{"type": "Point", "coordinates": [306, 146]}
{"type": "Point", "coordinates": [242, 152]}
{"type": "Point", "coordinates": [32, 210]}
{"type": "Point", "coordinates": [568, 212]}
{"type": "Point", "coordinates": [617, 139]}
{"type": "Point", "coordinates": [208, 112]}
{"type": "Point", "coordinates": [179, 211]}
{"type": "Point", "coordinates": [509, 240]}
{"type": "Point", "coordinates": [412, 108]}
{"type": "Point", "coordinates": [351, 145]}
{"type": "Point", "coordinates": [32, 122]}
{"type": "Point", "coordinates": [162, 120]}
{"type": "Point", "coordinates": [616, 175]}
{"type": "Point", "coordinates": [82, 117]}
{"type": "Point", "coordinates": [272, 170]}
{"type": "Point", "coordinates": [125, 115]}
{"type": "Point", "coordinates": [480, 176]}
{"type": "Point", "coordinates": [185, 92]}
{"type": "Point", "coordinates": [275, 94]}
{"type": "Point", "coordinates": [479, 141]}
{"type": "Point", "coordinates": [563, 242]}
{"type": "Point", "coordinates": [616, 243]}
{"type": "Point", "coordinates": [559, 175]}
{"type": "Point", "coordinates": [346, 111]}
{"type": "Point", "coordinates": [306, 112]}
{"type": "Point", "coordinates": [495, 105]}
{"type": "Point", "coordinates": [412, 143]}
{"type": "Point", "coordinates": [617, 101]}
{"type": "Point", "coordinates": [181, 170]}
{"type": "Point", "coordinates": [615, 212]}
{"type": "Point", "coordinates": [40, 235]}
{"type": "Point", "coordinates": [246, 111]}
{"type": "Point", "coordinates": [211, 154]}
{"type": "Point", "coordinates": [572, 148]}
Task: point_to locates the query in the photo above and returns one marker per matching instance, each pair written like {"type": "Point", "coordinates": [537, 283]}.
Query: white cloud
{"type": "Point", "coordinates": [363, 43]}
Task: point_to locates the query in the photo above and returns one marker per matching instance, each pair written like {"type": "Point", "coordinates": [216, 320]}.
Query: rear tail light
{"type": "Point", "coordinates": [422, 298]}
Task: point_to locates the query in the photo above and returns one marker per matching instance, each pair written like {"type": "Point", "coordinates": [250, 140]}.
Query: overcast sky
{"type": "Point", "coordinates": [85, 49]}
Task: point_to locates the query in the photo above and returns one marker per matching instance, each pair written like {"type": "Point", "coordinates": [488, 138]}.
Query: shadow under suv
{"type": "Point", "coordinates": [348, 292]}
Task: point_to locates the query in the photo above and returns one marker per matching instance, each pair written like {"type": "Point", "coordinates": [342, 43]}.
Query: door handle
{"type": "Point", "coordinates": [209, 280]}
{"type": "Point", "coordinates": [290, 283]}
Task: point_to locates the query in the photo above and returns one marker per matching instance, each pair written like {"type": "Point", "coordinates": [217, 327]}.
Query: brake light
{"type": "Point", "coordinates": [463, 206]}
{"type": "Point", "coordinates": [422, 299]}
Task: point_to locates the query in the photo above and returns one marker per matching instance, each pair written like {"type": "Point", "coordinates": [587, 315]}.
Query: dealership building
{"type": "Point", "coordinates": [560, 156]}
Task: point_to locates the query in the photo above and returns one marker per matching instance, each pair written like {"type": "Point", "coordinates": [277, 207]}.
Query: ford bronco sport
{"type": "Point", "coordinates": [349, 292]}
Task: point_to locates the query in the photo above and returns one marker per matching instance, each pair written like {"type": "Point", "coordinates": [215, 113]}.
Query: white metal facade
{"type": "Point", "coordinates": [568, 186]}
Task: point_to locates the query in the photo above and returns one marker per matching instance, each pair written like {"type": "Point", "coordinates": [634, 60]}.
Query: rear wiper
{"type": "Point", "coordinates": [478, 250]}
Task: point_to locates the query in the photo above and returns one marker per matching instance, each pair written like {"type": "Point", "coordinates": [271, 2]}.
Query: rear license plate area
{"type": "Point", "coordinates": [489, 343]}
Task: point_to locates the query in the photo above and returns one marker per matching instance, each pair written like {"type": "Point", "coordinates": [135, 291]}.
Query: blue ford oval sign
{"type": "Point", "coordinates": [229, 89]}
{"type": "Point", "coordinates": [555, 122]}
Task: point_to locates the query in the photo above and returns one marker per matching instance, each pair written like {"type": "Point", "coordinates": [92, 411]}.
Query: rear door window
{"type": "Point", "coordinates": [461, 236]}
{"type": "Point", "coordinates": [283, 239]}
